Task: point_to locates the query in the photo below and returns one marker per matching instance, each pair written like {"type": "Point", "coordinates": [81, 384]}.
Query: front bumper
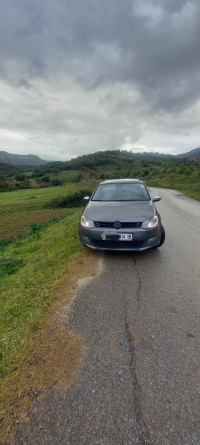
{"type": "Point", "coordinates": [99, 239]}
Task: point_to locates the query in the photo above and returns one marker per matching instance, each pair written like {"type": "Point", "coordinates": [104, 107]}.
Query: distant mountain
{"type": "Point", "coordinates": [91, 159]}
{"type": "Point", "coordinates": [20, 160]}
{"type": "Point", "coordinates": [191, 155]}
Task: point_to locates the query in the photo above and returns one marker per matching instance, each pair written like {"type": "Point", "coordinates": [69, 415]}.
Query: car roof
{"type": "Point", "coordinates": [119, 181]}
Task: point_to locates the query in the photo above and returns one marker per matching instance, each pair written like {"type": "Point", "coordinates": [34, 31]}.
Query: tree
{"type": "Point", "coordinates": [20, 177]}
{"type": "Point", "coordinates": [26, 184]}
{"type": "Point", "coordinates": [45, 179]}
{"type": "Point", "coordinates": [57, 181]}
{"type": "Point", "coordinates": [4, 185]}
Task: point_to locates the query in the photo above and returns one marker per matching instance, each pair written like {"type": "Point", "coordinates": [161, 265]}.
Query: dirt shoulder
{"type": "Point", "coordinates": [54, 354]}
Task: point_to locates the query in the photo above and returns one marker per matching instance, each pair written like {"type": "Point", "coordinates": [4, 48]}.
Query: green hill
{"type": "Point", "coordinates": [18, 160]}
{"type": "Point", "coordinates": [192, 154]}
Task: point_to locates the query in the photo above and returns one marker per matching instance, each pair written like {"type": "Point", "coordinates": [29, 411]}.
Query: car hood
{"type": "Point", "coordinates": [126, 211]}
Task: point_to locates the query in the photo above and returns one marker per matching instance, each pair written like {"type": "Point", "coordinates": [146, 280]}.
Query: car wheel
{"type": "Point", "coordinates": [162, 238]}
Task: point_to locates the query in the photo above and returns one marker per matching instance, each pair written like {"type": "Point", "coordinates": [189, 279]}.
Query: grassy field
{"type": "Point", "coordinates": [20, 208]}
{"type": "Point", "coordinates": [12, 224]}
{"type": "Point", "coordinates": [34, 199]}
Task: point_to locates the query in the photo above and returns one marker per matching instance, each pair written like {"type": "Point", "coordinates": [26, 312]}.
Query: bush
{"type": "Point", "coordinates": [20, 177]}
{"type": "Point", "coordinates": [46, 179]}
{"type": "Point", "coordinates": [73, 200]}
{"type": "Point", "coordinates": [4, 243]}
{"type": "Point", "coordinates": [102, 176]}
{"type": "Point", "coordinates": [78, 178]}
{"type": "Point", "coordinates": [10, 265]}
{"type": "Point", "coordinates": [35, 229]}
{"type": "Point", "coordinates": [26, 184]}
{"type": "Point", "coordinates": [57, 181]}
{"type": "Point", "coordinates": [4, 185]}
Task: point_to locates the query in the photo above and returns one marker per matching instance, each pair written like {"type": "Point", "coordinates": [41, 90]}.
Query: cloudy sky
{"type": "Point", "coordinates": [78, 76]}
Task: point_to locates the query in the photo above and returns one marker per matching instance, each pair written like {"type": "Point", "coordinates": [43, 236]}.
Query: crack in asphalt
{"type": "Point", "coordinates": [133, 365]}
{"type": "Point", "coordinates": [133, 361]}
{"type": "Point", "coordinates": [139, 284]}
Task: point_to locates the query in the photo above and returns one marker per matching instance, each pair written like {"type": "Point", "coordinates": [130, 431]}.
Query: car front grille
{"type": "Point", "coordinates": [124, 225]}
{"type": "Point", "coordinates": [114, 244]}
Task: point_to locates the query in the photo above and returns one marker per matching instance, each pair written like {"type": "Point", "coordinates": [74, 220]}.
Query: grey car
{"type": "Point", "coordinates": [120, 215]}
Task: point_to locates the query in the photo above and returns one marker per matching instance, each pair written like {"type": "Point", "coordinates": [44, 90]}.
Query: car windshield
{"type": "Point", "coordinates": [121, 192]}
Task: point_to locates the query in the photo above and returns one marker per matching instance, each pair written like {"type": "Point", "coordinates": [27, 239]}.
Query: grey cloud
{"type": "Point", "coordinates": [24, 84]}
{"type": "Point", "coordinates": [105, 42]}
{"type": "Point", "coordinates": [149, 47]}
{"type": "Point", "coordinates": [171, 6]}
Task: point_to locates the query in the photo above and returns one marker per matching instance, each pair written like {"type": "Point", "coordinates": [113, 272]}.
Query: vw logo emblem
{"type": "Point", "coordinates": [117, 224]}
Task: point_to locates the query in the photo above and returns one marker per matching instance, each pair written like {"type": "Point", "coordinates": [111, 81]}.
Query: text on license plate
{"type": "Point", "coordinates": [125, 237]}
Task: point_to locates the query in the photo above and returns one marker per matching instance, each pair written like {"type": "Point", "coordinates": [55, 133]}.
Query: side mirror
{"type": "Point", "coordinates": [86, 198]}
{"type": "Point", "coordinates": [156, 198]}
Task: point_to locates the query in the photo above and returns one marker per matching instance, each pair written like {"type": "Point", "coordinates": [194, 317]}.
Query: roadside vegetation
{"type": "Point", "coordinates": [31, 268]}
{"type": "Point", "coordinates": [38, 240]}
{"type": "Point", "coordinates": [39, 216]}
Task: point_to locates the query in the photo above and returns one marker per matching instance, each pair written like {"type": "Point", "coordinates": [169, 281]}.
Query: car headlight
{"type": "Point", "coordinates": [150, 223]}
{"type": "Point", "coordinates": [86, 222]}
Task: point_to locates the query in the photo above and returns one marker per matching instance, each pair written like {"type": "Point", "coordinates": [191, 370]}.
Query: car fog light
{"type": "Point", "coordinates": [86, 239]}
{"type": "Point", "coordinates": [151, 240]}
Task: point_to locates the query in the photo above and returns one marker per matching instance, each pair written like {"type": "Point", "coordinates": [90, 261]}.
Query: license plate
{"type": "Point", "coordinates": [125, 237]}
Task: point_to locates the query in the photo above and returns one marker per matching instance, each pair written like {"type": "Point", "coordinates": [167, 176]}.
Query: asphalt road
{"type": "Point", "coordinates": [140, 320]}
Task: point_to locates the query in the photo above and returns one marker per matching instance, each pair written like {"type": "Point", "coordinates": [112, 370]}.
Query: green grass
{"type": "Point", "coordinates": [189, 186]}
{"type": "Point", "coordinates": [31, 199]}
{"type": "Point", "coordinates": [67, 175]}
{"type": "Point", "coordinates": [189, 189]}
{"type": "Point", "coordinates": [31, 268]}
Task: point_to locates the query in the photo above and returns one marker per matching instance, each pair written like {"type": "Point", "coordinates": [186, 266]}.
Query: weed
{"type": "Point", "coordinates": [4, 243]}
{"type": "Point", "coordinates": [35, 229]}
{"type": "Point", "coordinates": [9, 265]}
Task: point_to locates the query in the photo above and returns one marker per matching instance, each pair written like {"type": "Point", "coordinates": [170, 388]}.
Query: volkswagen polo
{"type": "Point", "coordinates": [121, 215]}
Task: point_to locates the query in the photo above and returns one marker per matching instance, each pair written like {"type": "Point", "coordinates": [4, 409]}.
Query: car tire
{"type": "Point", "coordinates": [162, 238]}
